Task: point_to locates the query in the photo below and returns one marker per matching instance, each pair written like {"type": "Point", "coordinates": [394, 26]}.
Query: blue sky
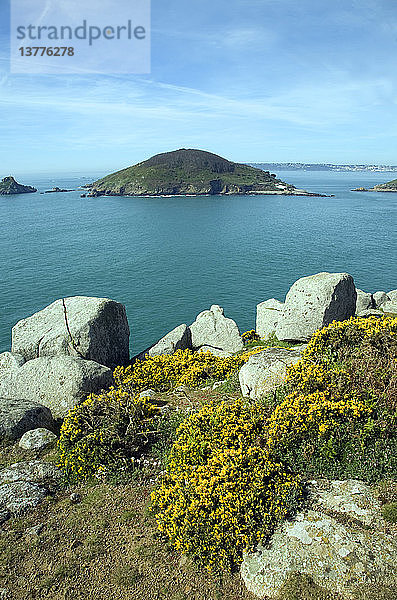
{"type": "Point", "coordinates": [252, 80]}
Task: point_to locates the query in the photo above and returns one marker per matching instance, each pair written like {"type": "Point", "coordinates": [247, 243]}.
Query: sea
{"type": "Point", "coordinates": [168, 259]}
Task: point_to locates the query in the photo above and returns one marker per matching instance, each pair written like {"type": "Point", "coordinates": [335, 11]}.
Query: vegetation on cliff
{"type": "Point", "coordinates": [390, 186]}
{"type": "Point", "coordinates": [189, 172]}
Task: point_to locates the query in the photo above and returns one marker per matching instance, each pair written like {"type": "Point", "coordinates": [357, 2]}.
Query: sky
{"type": "Point", "coordinates": [251, 80]}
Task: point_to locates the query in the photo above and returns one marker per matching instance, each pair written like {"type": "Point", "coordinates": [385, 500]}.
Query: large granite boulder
{"type": "Point", "coordinates": [10, 361]}
{"type": "Point", "coordinates": [91, 328]}
{"type": "Point", "coordinates": [314, 302]}
{"type": "Point", "coordinates": [364, 301]}
{"type": "Point", "coordinates": [264, 372]}
{"type": "Point", "coordinates": [380, 298]}
{"type": "Point", "coordinates": [212, 328]}
{"type": "Point", "coordinates": [24, 485]}
{"type": "Point", "coordinates": [392, 295]}
{"type": "Point", "coordinates": [390, 306]}
{"type": "Point", "coordinates": [58, 382]}
{"type": "Point", "coordinates": [268, 314]}
{"type": "Point", "coordinates": [17, 416]}
{"type": "Point", "coordinates": [339, 539]}
{"type": "Point", "coordinates": [177, 339]}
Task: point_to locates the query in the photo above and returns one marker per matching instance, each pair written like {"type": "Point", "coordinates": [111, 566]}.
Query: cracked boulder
{"type": "Point", "coordinates": [265, 371]}
{"type": "Point", "coordinates": [364, 301]}
{"type": "Point", "coordinates": [57, 382]}
{"type": "Point", "coordinates": [90, 328]}
{"type": "Point", "coordinates": [19, 416]}
{"type": "Point", "coordinates": [211, 328]}
{"type": "Point", "coordinates": [339, 540]}
{"type": "Point", "coordinates": [314, 302]}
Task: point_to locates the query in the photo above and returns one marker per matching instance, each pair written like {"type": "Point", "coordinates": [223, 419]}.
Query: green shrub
{"type": "Point", "coordinates": [221, 494]}
{"type": "Point", "coordinates": [105, 433]}
{"type": "Point", "coordinates": [389, 512]}
{"type": "Point", "coordinates": [339, 416]}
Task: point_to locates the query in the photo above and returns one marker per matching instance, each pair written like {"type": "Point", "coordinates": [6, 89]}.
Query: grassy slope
{"type": "Point", "coordinates": [154, 177]}
{"type": "Point", "coordinates": [390, 185]}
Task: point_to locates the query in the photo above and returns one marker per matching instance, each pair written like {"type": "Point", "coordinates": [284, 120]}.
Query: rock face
{"type": "Point", "coordinates": [268, 314]}
{"type": "Point", "coordinates": [177, 339]}
{"type": "Point", "coordinates": [9, 187]}
{"type": "Point", "coordinates": [57, 382]}
{"type": "Point", "coordinates": [380, 298]}
{"type": "Point", "coordinates": [10, 361]}
{"type": "Point", "coordinates": [265, 371]}
{"type": "Point", "coordinates": [340, 540]}
{"type": "Point", "coordinates": [392, 295]}
{"type": "Point", "coordinates": [211, 328]}
{"type": "Point", "coordinates": [364, 301]}
{"type": "Point", "coordinates": [390, 306]}
{"type": "Point", "coordinates": [36, 439]}
{"type": "Point", "coordinates": [315, 301]}
{"type": "Point", "coordinates": [19, 416]}
{"type": "Point", "coordinates": [91, 328]}
{"type": "Point", "coordinates": [24, 485]}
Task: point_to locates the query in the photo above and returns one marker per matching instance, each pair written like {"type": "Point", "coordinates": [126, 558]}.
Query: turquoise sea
{"type": "Point", "coordinates": [167, 259]}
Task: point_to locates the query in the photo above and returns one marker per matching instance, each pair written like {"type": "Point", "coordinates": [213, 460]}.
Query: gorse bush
{"type": "Point", "coordinates": [184, 367]}
{"type": "Point", "coordinates": [105, 434]}
{"type": "Point", "coordinates": [339, 417]}
{"type": "Point", "coordinates": [221, 493]}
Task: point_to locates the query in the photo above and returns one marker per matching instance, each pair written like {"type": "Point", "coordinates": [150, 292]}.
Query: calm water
{"type": "Point", "coordinates": [169, 259]}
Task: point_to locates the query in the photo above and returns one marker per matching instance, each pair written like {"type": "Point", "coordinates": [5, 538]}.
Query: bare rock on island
{"type": "Point", "coordinates": [90, 328]}
{"type": "Point", "coordinates": [211, 328]}
{"type": "Point", "coordinates": [266, 371]}
{"type": "Point", "coordinates": [314, 302]}
{"type": "Point", "coordinates": [57, 382]}
{"type": "Point", "coordinates": [339, 539]}
{"type": "Point", "coordinates": [268, 314]}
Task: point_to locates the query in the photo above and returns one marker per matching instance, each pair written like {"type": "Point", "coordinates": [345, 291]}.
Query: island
{"type": "Point", "coordinates": [9, 187]}
{"type": "Point", "coordinates": [190, 172]}
{"type": "Point", "coordinates": [57, 190]}
{"type": "Point", "coordinates": [390, 186]}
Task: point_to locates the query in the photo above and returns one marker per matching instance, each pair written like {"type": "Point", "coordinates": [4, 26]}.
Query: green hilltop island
{"type": "Point", "coordinates": [190, 173]}
{"type": "Point", "coordinates": [390, 186]}
{"type": "Point", "coordinates": [9, 187]}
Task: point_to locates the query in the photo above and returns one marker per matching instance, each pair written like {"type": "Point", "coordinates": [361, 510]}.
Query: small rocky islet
{"type": "Point", "coordinates": [10, 187]}
{"type": "Point", "coordinates": [338, 538]}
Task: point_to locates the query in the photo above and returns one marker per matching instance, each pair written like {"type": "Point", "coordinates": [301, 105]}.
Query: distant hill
{"type": "Point", "coordinates": [322, 167]}
{"type": "Point", "coordinates": [9, 187]}
{"type": "Point", "coordinates": [188, 171]}
{"type": "Point", "coordinates": [390, 186]}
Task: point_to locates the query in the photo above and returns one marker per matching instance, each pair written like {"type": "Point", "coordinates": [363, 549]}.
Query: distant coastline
{"type": "Point", "coordinates": [289, 166]}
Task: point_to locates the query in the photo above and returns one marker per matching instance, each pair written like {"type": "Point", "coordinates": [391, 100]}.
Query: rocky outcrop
{"type": "Point", "coordinates": [315, 301]}
{"type": "Point", "coordinates": [9, 187]}
{"type": "Point", "coordinates": [264, 372]}
{"type": "Point", "coordinates": [17, 416]}
{"type": "Point", "coordinates": [57, 382]}
{"type": "Point", "coordinates": [339, 539]}
{"type": "Point", "coordinates": [177, 339]}
{"type": "Point", "coordinates": [380, 298]}
{"type": "Point", "coordinates": [390, 306]}
{"type": "Point", "coordinates": [364, 301]}
{"type": "Point", "coordinates": [24, 485]}
{"type": "Point", "coordinates": [37, 439]}
{"type": "Point", "coordinates": [211, 328]}
{"type": "Point", "coordinates": [91, 328]}
{"type": "Point", "coordinates": [268, 314]}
